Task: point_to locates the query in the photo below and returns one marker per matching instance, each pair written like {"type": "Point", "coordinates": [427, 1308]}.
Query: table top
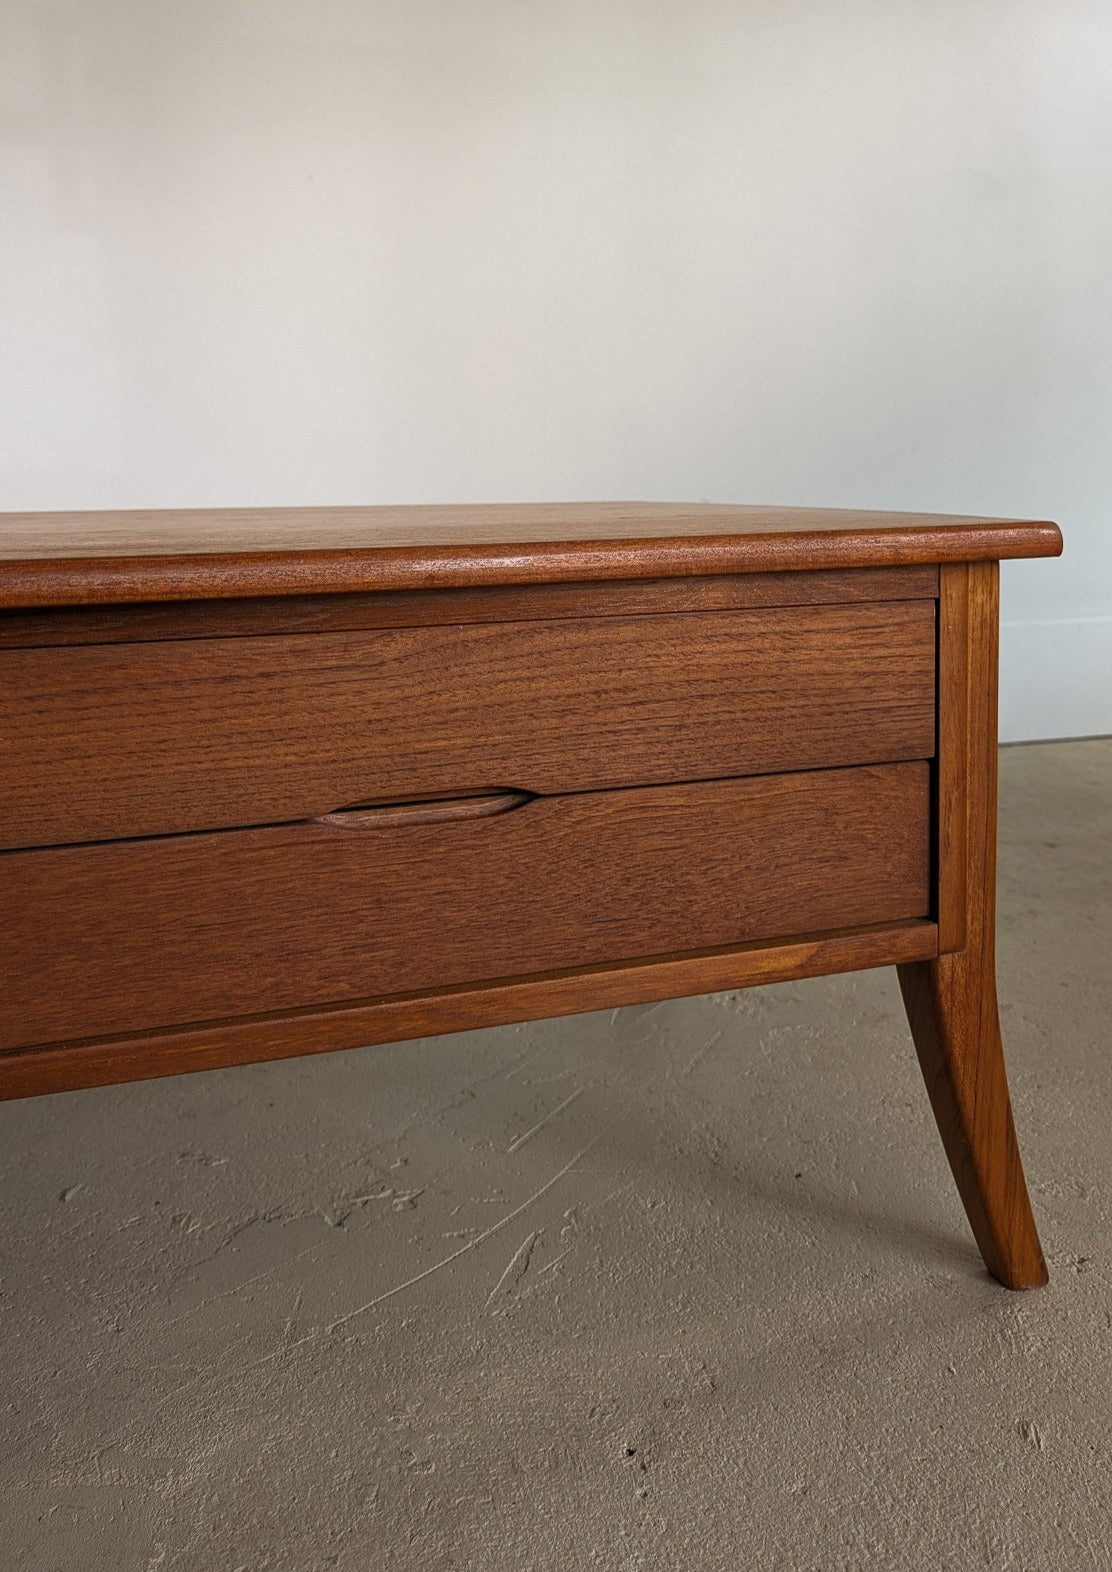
{"type": "Point", "coordinates": [97, 558]}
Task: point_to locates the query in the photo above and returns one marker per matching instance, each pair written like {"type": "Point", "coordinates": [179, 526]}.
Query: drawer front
{"type": "Point", "coordinates": [104, 742]}
{"type": "Point", "coordinates": [120, 938]}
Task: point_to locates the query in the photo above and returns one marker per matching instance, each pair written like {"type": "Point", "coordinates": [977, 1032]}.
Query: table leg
{"type": "Point", "coordinates": [951, 1005]}
{"type": "Point", "coordinates": [951, 1001]}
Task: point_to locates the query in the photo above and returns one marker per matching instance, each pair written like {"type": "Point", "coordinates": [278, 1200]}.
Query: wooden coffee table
{"type": "Point", "coordinates": [280, 781]}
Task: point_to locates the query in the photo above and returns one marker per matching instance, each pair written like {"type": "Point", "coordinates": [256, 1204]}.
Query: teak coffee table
{"type": "Point", "coordinates": [280, 781]}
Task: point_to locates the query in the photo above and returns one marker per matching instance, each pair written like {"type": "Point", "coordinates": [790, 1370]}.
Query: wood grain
{"type": "Point", "coordinates": [220, 619]}
{"type": "Point", "coordinates": [134, 740]}
{"type": "Point", "coordinates": [951, 1001]}
{"type": "Point", "coordinates": [68, 559]}
{"type": "Point", "coordinates": [177, 1051]}
{"type": "Point", "coordinates": [122, 938]}
{"type": "Point", "coordinates": [952, 762]}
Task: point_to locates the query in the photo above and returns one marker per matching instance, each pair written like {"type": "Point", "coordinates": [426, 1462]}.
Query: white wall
{"type": "Point", "coordinates": [277, 251]}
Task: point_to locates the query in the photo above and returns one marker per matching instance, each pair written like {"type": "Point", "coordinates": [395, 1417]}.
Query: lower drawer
{"type": "Point", "coordinates": [118, 938]}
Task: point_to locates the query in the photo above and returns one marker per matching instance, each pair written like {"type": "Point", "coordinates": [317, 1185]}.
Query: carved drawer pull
{"type": "Point", "coordinates": [391, 815]}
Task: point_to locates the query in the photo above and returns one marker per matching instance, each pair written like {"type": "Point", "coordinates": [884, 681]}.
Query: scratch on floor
{"type": "Point", "coordinates": [468, 1090]}
{"type": "Point", "coordinates": [540, 1124]}
{"type": "Point", "coordinates": [199, 1377]}
{"type": "Point", "coordinates": [473, 1244]}
{"type": "Point", "coordinates": [554, 1263]}
{"type": "Point", "coordinates": [638, 1014]}
{"type": "Point", "coordinates": [613, 1196]}
{"type": "Point", "coordinates": [518, 1265]}
{"type": "Point", "coordinates": [525, 1061]}
{"type": "Point", "coordinates": [189, 1225]}
{"type": "Point", "coordinates": [694, 1060]}
{"type": "Point", "coordinates": [238, 1288]}
{"type": "Point", "coordinates": [287, 1335]}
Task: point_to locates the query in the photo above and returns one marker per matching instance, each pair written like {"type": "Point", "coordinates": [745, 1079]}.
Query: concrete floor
{"type": "Point", "coordinates": [679, 1287]}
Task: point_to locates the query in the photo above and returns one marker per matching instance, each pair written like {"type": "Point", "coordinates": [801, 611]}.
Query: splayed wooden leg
{"type": "Point", "coordinates": [951, 1005]}
{"type": "Point", "coordinates": [951, 1001]}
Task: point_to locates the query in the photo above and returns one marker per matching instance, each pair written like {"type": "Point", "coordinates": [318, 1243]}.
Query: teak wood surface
{"type": "Point", "coordinates": [271, 919]}
{"type": "Point", "coordinates": [145, 621]}
{"type": "Point", "coordinates": [67, 559]}
{"type": "Point", "coordinates": [212, 1045]}
{"type": "Point", "coordinates": [283, 780]}
{"type": "Point", "coordinates": [951, 1000]}
{"type": "Point", "coordinates": [212, 734]}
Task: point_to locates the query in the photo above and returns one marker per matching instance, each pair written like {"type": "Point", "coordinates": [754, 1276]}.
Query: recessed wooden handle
{"type": "Point", "coordinates": [390, 815]}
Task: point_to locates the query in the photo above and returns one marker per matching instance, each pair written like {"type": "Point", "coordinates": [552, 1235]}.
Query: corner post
{"type": "Point", "coordinates": [951, 1001]}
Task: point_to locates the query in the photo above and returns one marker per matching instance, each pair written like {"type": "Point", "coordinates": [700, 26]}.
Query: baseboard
{"type": "Point", "coordinates": [1055, 679]}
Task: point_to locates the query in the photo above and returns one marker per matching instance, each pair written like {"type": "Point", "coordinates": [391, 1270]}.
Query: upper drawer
{"type": "Point", "coordinates": [102, 742]}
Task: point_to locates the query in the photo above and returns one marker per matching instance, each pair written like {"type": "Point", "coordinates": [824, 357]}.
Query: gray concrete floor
{"type": "Point", "coordinates": [686, 1286]}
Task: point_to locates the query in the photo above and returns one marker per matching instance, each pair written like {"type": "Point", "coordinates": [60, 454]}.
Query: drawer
{"type": "Point", "coordinates": [103, 742]}
{"type": "Point", "coordinates": [118, 938]}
